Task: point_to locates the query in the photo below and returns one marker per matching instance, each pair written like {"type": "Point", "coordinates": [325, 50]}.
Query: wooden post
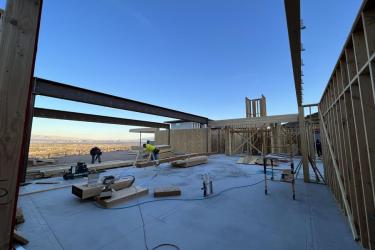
{"type": "Point", "coordinates": [248, 108]}
{"type": "Point", "coordinates": [209, 144]}
{"type": "Point", "coordinates": [17, 49]}
{"type": "Point", "coordinates": [254, 104]}
{"type": "Point", "coordinates": [263, 107]}
{"type": "Point", "coordinates": [27, 135]}
{"type": "Point", "coordinates": [305, 163]}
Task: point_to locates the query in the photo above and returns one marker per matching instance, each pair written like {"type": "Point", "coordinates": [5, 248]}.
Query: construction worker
{"type": "Point", "coordinates": [95, 153]}
{"type": "Point", "coordinates": [318, 147]}
{"type": "Point", "coordinates": [149, 148]}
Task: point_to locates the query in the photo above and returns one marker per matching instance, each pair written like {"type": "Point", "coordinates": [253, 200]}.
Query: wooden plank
{"type": "Point", "coordinates": [45, 190]}
{"type": "Point", "coordinates": [20, 238]}
{"type": "Point", "coordinates": [301, 120]}
{"type": "Point", "coordinates": [190, 162]}
{"type": "Point", "coordinates": [88, 191]}
{"type": "Point", "coordinates": [167, 191]}
{"type": "Point", "coordinates": [17, 49]}
{"type": "Point", "coordinates": [123, 195]}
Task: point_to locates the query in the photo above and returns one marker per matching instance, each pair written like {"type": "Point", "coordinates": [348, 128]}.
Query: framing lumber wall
{"type": "Point", "coordinates": [18, 43]}
{"type": "Point", "coordinates": [186, 140]}
{"type": "Point", "coordinates": [347, 110]}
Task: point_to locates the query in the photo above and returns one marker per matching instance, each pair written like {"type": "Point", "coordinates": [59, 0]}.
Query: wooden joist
{"type": "Point", "coordinates": [86, 191]}
{"type": "Point", "coordinates": [190, 162]}
{"type": "Point", "coordinates": [123, 195]}
{"type": "Point", "coordinates": [167, 191]}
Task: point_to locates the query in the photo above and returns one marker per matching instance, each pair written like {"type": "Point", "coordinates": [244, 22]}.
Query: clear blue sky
{"type": "Point", "coordinates": [201, 57]}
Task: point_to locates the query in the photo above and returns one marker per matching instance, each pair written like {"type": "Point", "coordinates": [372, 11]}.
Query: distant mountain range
{"type": "Point", "coordinates": [64, 139]}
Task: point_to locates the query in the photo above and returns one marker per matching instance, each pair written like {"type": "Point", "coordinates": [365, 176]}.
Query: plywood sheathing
{"type": "Point", "coordinates": [186, 140]}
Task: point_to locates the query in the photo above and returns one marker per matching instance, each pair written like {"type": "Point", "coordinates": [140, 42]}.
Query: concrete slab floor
{"type": "Point", "coordinates": [239, 218]}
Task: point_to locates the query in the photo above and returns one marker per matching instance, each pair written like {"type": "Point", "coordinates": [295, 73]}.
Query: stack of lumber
{"type": "Point", "coordinates": [123, 195]}
{"type": "Point", "coordinates": [88, 191]}
{"type": "Point", "coordinates": [190, 162]}
{"type": "Point", "coordinates": [165, 160]}
{"type": "Point", "coordinates": [55, 170]}
{"type": "Point", "coordinates": [167, 191]}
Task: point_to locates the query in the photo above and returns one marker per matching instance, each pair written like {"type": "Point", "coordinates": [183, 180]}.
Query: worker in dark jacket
{"type": "Point", "coordinates": [95, 153]}
{"type": "Point", "coordinates": [318, 147]}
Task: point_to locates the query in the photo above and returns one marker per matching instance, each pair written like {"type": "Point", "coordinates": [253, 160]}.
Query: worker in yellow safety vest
{"type": "Point", "coordinates": [153, 150]}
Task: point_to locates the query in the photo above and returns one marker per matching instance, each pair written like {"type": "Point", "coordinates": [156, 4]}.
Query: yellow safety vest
{"type": "Point", "coordinates": [150, 148]}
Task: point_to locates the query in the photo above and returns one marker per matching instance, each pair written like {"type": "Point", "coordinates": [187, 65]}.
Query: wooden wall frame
{"type": "Point", "coordinates": [347, 108]}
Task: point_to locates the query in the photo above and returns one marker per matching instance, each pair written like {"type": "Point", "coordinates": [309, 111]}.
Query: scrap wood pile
{"type": "Point", "coordinates": [115, 192]}
{"type": "Point", "coordinates": [121, 191]}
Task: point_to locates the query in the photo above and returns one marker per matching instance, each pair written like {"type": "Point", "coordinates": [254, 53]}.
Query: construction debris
{"type": "Point", "coordinates": [167, 191]}
{"type": "Point", "coordinates": [190, 162]}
